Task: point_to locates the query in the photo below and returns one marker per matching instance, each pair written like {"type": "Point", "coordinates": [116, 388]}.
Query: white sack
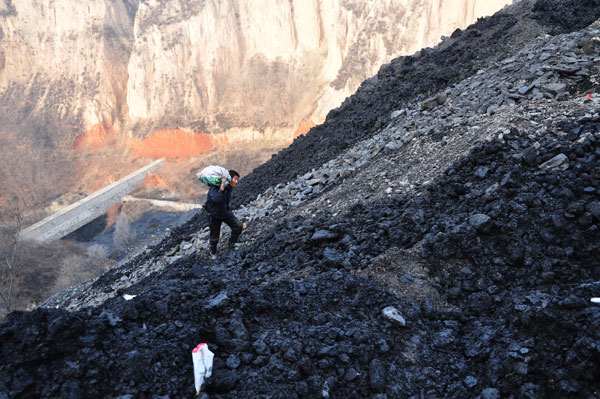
{"type": "Point", "coordinates": [203, 361]}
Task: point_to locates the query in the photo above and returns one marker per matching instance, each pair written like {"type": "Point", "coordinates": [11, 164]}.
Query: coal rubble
{"type": "Point", "coordinates": [452, 253]}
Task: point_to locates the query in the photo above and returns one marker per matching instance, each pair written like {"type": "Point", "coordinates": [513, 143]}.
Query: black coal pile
{"type": "Point", "coordinates": [415, 77]}
{"type": "Point", "coordinates": [566, 15]}
{"type": "Point", "coordinates": [473, 281]}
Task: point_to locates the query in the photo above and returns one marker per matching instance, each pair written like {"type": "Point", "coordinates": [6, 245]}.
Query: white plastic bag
{"type": "Point", "coordinates": [203, 361]}
{"type": "Point", "coordinates": [213, 175]}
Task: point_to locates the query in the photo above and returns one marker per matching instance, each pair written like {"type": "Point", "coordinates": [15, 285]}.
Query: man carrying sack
{"type": "Point", "coordinates": [218, 208]}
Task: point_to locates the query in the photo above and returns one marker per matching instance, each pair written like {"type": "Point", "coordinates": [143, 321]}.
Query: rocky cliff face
{"type": "Point", "coordinates": [211, 66]}
{"type": "Point", "coordinates": [64, 63]}
{"type": "Point", "coordinates": [252, 64]}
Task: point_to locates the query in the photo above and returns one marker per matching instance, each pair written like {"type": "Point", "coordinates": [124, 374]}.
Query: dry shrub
{"type": "Point", "coordinates": [42, 270]}
{"type": "Point", "coordinates": [123, 237]}
{"type": "Point", "coordinates": [98, 252]}
{"type": "Point", "coordinates": [10, 250]}
{"type": "Point", "coordinates": [75, 268]}
{"type": "Point", "coordinates": [36, 165]}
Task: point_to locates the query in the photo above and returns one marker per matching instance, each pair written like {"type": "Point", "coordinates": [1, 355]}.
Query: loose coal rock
{"type": "Point", "coordinates": [394, 315]}
{"type": "Point", "coordinates": [490, 393]}
{"type": "Point", "coordinates": [324, 236]}
{"type": "Point", "coordinates": [479, 221]}
{"type": "Point", "coordinates": [377, 375]}
{"type": "Point", "coordinates": [489, 256]}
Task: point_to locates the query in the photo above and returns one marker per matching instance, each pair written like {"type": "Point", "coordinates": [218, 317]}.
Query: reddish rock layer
{"type": "Point", "coordinates": [100, 135]}
{"type": "Point", "coordinates": [171, 144]}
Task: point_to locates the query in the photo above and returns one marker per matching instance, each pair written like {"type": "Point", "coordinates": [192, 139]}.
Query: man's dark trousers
{"type": "Point", "coordinates": [215, 230]}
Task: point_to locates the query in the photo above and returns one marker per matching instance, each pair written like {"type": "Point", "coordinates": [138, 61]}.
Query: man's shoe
{"type": "Point", "coordinates": [213, 256]}
{"type": "Point", "coordinates": [212, 248]}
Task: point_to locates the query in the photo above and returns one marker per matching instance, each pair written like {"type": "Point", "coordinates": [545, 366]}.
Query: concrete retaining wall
{"type": "Point", "coordinates": [176, 206]}
{"type": "Point", "coordinates": [87, 209]}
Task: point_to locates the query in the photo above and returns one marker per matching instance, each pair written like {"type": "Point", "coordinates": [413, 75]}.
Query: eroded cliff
{"type": "Point", "coordinates": [254, 64]}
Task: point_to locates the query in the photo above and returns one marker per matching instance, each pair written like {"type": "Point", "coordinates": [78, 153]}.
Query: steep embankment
{"type": "Point", "coordinates": [475, 214]}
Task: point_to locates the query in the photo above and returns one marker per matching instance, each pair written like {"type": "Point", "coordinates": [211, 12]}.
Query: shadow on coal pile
{"type": "Point", "coordinates": [566, 15]}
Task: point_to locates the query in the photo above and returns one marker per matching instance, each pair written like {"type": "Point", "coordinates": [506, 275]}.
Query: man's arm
{"type": "Point", "coordinates": [215, 194]}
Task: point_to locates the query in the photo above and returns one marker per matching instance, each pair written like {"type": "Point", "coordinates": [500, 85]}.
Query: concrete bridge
{"type": "Point", "coordinates": [87, 209]}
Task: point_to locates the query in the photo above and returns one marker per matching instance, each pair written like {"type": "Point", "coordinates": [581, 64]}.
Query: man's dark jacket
{"type": "Point", "coordinates": [217, 202]}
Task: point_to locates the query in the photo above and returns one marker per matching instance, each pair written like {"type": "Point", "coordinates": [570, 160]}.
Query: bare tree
{"type": "Point", "coordinates": [123, 238]}
{"type": "Point", "coordinates": [10, 255]}
{"type": "Point", "coordinates": [77, 266]}
{"type": "Point", "coordinates": [98, 252]}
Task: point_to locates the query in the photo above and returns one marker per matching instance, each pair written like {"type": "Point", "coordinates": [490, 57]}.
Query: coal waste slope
{"type": "Point", "coordinates": [416, 77]}
{"type": "Point", "coordinates": [450, 254]}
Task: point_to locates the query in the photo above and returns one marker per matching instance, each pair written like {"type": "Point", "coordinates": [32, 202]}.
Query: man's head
{"type": "Point", "coordinates": [235, 177]}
